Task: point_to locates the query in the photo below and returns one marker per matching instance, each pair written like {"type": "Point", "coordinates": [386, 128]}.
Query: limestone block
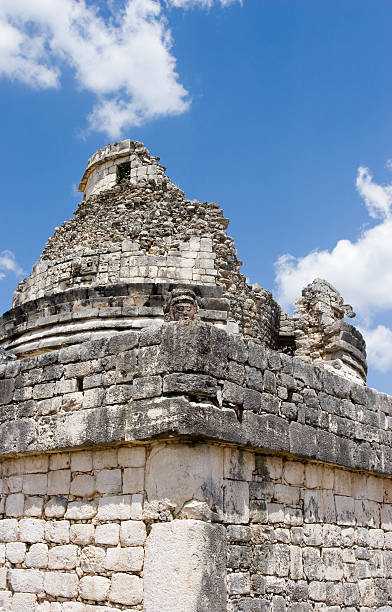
{"type": "Point", "coordinates": [367, 513]}
{"type": "Point", "coordinates": [238, 464]}
{"type": "Point", "coordinates": [2, 554]}
{"type": "Point", "coordinates": [293, 472]}
{"type": "Point", "coordinates": [367, 595]}
{"type": "Point", "coordinates": [273, 466]}
{"type": "Point", "coordinates": [238, 583]}
{"type": "Point", "coordinates": [126, 589]}
{"type": "Point", "coordinates": [56, 507]}
{"type": "Point", "coordinates": [185, 567]}
{"type": "Point", "coordinates": [35, 484]}
{"type": "Point", "coordinates": [132, 456]}
{"type": "Point", "coordinates": [57, 532]}
{"type": "Point", "coordinates": [125, 559]}
{"type": "Point", "coordinates": [343, 482]}
{"type": "Point", "coordinates": [25, 580]}
{"type": "Point", "coordinates": [132, 533]}
{"type": "Point", "coordinates": [5, 601]}
{"type": "Point", "coordinates": [236, 501]}
{"type": "Point", "coordinates": [14, 504]}
{"type": "Point", "coordinates": [59, 461]}
{"type": "Point", "coordinates": [94, 588]}
{"type": "Point", "coordinates": [59, 584]}
{"type": "Point", "coordinates": [80, 509]}
{"type": "Point", "coordinates": [133, 480]}
{"type": "Point", "coordinates": [183, 472]}
{"type": "Point", "coordinates": [83, 485]}
{"type": "Point", "coordinates": [109, 481]}
{"type": "Point", "coordinates": [33, 506]}
{"type": "Point", "coordinates": [276, 513]}
{"type": "Point", "coordinates": [105, 459]}
{"type": "Point", "coordinates": [82, 534]}
{"type": "Point", "coordinates": [319, 505]}
{"type": "Point", "coordinates": [108, 533]}
{"type": "Point", "coordinates": [296, 567]}
{"type": "Point", "coordinates": [24, 602]}
{"type": "Point", "coordinates": [37, 556]}
{"type": "Point", "coordinates": [14, 484]}
{"type": "Point", "coordinates": [16, 552]}
{"type": "Point", "coordinates": [63, 557]}
{"type": "Point", "coordinates": [3, 579]}
{"type": "Point", "coordinates": [92, 559]}
{"type": "Point", "coordinates": [317, 591]}
{"type": "Point", "coordinates": [376, 538]}
{"type": "Point", "coordinates": [31, 530]}
{"type": "Point", "coordinates": [386, 517]}
{"type": "Point", "coordinates": [81, 461]}
{"type": "Point", "coordinates": [114, 507]}
{"type": "Point", "coordinates": [345, 510]}
{"type": "Point", "coordinates": [59, 482]}
{"type": "Point", "coordinates": [136, 506]}
{"type": "Point", "coordinates": [8, 530]}
{"type": "Point", "coordinates": [287, 494]}
{"type": "Point", "coordinates": [333, 565]}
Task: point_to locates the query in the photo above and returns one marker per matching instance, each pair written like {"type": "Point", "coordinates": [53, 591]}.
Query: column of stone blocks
{"type": "Point", "coordinates": [71, 529]}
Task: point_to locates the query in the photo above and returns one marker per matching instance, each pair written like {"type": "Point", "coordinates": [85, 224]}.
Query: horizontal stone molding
{"type": "Point", "coordinates": [195, 381]}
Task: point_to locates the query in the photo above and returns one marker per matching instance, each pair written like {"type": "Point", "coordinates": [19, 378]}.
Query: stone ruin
{"type": "Point", "coordinates": [170, 440]}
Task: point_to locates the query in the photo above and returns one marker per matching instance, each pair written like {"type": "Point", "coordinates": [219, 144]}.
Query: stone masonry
{"type": "Point", "coordinates": [170, 441]}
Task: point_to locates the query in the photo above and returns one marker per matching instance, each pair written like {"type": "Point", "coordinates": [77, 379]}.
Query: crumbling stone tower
{"type": "Point", "coordinates": [170, 441]}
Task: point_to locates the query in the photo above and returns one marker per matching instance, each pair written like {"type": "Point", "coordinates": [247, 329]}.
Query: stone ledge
{"type": "Point", "coordinates": [179, 418]}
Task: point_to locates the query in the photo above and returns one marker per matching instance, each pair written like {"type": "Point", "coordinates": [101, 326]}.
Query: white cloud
{"type": "Point", "coordinates": [361, 270]}
{"type": "Point", "coordinates": [125, 59]}
{"type": "Point", "coordinates": [8, 263]}
{"type": "Point", "coordinates": [202, 3]}
{"type": "Point", "coordinates": [379, 347]}
{"type": "Point", "coordinates": [378, 198]}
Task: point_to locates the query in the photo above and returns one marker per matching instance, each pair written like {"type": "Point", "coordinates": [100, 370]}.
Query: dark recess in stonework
{"type": "Point", "coordinates": [123, 172]}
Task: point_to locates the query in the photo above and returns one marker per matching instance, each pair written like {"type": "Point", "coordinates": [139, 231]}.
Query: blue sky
{"type": "Point", "coordinates": [268, 107]}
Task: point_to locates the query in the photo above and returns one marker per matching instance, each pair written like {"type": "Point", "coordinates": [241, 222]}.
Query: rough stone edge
{"type": "Point", "coordinates": [178, 418]}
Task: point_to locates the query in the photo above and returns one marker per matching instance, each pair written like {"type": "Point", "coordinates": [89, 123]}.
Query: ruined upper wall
{"type": "Point", "coordinates": [103, 171]}
{"type": "Point", "coordinates": [132, 239]}
{"type": "Point", "coordinates": [139, 228]}
{"type": "Point", "coordinates": [320, 334]}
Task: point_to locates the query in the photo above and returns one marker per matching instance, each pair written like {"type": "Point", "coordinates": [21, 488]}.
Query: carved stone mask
{"type": "Point", "coordinates": [183, 310]}
{"type": "Point", "coordinates": [181, 306]}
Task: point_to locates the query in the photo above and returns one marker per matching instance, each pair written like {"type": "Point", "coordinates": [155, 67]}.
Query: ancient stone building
{"type": "Point", "coordinates": [170, 440]}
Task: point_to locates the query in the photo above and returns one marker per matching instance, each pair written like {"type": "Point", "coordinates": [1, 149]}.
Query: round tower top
{"type": "Point", "coordinates": [125, 160]}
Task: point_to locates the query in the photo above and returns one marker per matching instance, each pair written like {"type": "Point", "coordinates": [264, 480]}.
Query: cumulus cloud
{"type": "Point", "coordinates": [361, 270]}
{"type": "Point", "coordinates": [378, 198]}
{"type": "Point", "coordinates": [379, 347]}
{"type": "Point", "coordinates": [125, 59]}
{"type": "Point", "coordinates": [9, 264]}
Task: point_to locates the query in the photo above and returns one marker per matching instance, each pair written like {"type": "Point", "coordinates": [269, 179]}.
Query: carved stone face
{"type": "Point", "coordinates": [183, 310]}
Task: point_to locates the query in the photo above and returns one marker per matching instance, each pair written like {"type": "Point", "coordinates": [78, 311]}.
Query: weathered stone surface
{"type": "Point", "coordinates": [183, 472]}
{"type": "Point", "coordinates": [185, 567]}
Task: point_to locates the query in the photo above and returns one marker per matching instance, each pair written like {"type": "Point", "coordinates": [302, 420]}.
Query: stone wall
{"type": "Point", "coordinates": [84, 314]}
{"type": "Point", "coordinates": [323, 336]}
{"type": "Point", "coordinates": [145, 230]}
{"type": "Point", "coordinates": [184, 468]}
{"type": "Point", "coordinates": [102, 391]}
{"type": "Point", "coordinates": [204, 527]}
{"type": "Point", "coordinates": [102, 168]}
